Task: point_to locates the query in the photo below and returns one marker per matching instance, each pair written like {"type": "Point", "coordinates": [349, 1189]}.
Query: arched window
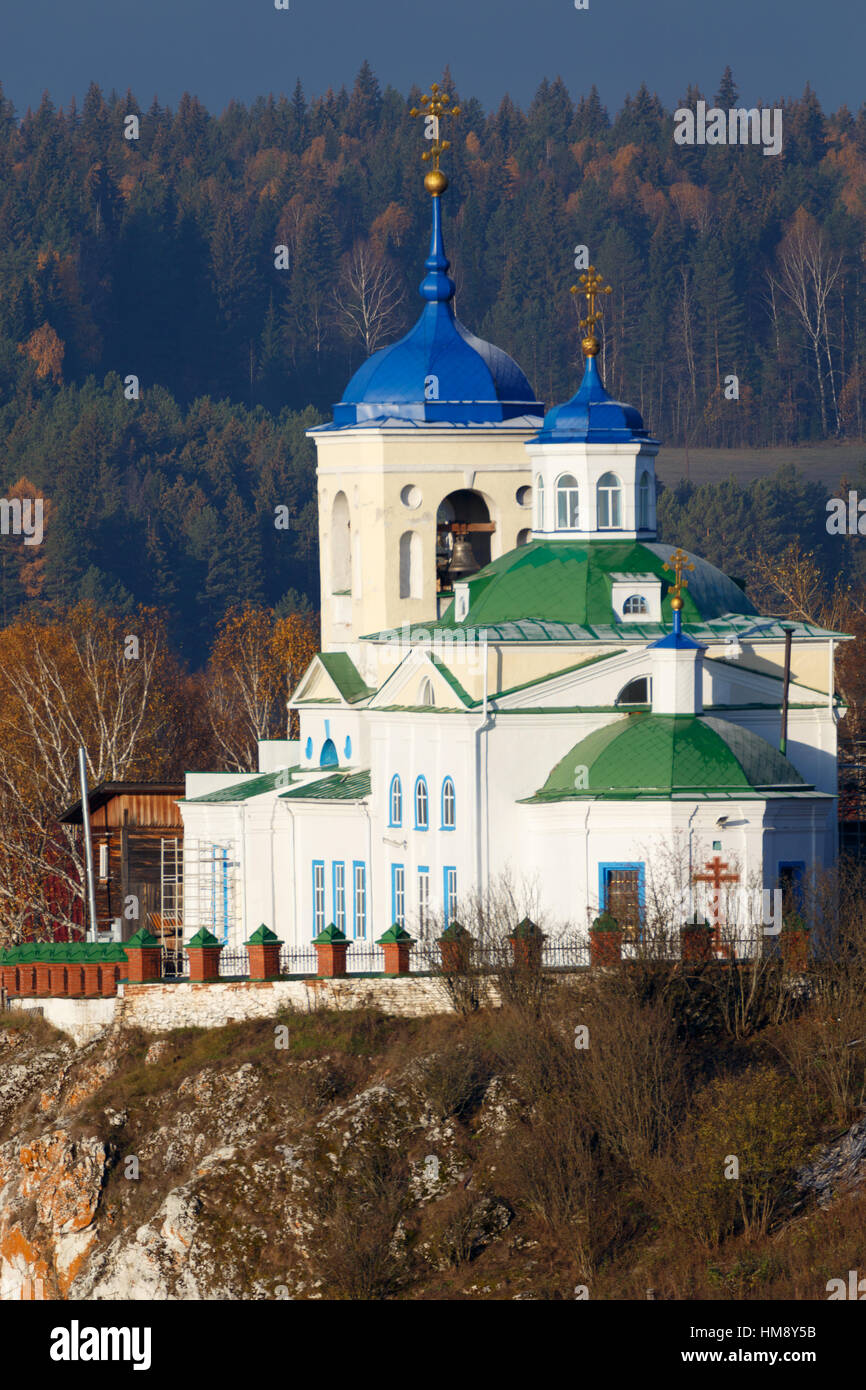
{"type": "Point", "coordinates": [328, 756]}
{"type": "Point", "coordinates": [635, 604]}
{"type": "Point", "coordinates": [643, 502]}
{"type": "Point", "coordinates": [566, 503]}
{"type": "Point", "coordinates": [539, 502]}
{"type": "Point", "coordinates": [396, 806]}
{"type": "Point", "coordinates": [637, 692]}
{"type": "Point", "coordinates": [524, 537]}
{"type": "Point", "coordinates": [411, 565]}
{"type": "Point", "coordinates": [427, 696]}
{"type": "Point", "coordinates": [609, 494]}
{"type": "Point", "coordinates": [341, 546]}
{"type": "Point", "coordinates": [449, 805]}
{"type": "Point", "coordinates": [422, 805]}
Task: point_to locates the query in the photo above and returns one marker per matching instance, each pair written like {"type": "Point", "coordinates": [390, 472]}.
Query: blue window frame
{"type": "Point", "coordinates": [339, 891]}
{"type": "Point", "coordinates": [359, 903]}
{"type": "Point", "coordinates": [621, 888]}
{"type": "Point", "coordinates": [449, 805]}
{"type": "Point", "coordinates": [398, 894]}
{"type": "Point", "coordinates": [791, 876]}
{"type": "Point", "coordinates": [318, 896]}
{"type": "Point", "coordinates": [449, 893]}
{"type": "Point", "coordinates": [395, 803]}
{"type": "Point", "coordinates": [422, 805]}
{"type": "Point", "coordinates": [423, 895]}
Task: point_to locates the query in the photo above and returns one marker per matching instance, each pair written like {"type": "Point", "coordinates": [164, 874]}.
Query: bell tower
{"type": "Point", "coordinates": [593, 463]}
{"type": "Point", "coordinates": [422, 474]}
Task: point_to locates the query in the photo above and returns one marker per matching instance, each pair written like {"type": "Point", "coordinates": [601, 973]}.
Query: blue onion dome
{"type": "Point", "coordinates": [439, 373]}
{"type": "Point", "coordinates": [592, 416]}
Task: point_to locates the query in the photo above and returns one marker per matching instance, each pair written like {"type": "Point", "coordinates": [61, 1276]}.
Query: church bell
{"type": "Point", "coordinates": [463, 561]}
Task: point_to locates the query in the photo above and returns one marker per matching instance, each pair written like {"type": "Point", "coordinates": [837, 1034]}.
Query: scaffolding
{"type": "Point", "coordinates": [171, 900]}
{"type": "Point", "coordinates": [210, 886]}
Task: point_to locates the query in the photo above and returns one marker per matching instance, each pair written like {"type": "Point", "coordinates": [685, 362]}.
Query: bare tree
{"type": "Point", "coordinates": [368, 297]}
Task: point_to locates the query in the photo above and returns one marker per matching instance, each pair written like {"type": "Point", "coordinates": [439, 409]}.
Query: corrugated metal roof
{"type": "Point", "coordinates": [341, 786]}
{"type": "Point", "coordinates": [243, 791]}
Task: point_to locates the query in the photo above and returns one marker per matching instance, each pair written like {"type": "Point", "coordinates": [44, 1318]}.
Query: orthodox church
{"type": "Point", "coordinates": [516, 678]}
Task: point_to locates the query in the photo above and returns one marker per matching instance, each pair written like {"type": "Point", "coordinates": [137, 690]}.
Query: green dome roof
{"type": "Point", "coordinates": [570, 582]}
{"type": "Point", "coordinates": [664, 755]}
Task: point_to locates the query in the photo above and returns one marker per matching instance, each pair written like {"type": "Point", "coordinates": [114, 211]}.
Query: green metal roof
{"type": "Point", "coordinates": [345, 676]}
{"type": "Point", "coordinates": [570, 582]}
{"type": "Point", "coordinates": [658, 755]}
{"type": "Point", "coordinates": [341, 786]}
{"type": "Point", "coordinates": [560, 591]}
{"type": "Point", "coordinates": [242, 791]}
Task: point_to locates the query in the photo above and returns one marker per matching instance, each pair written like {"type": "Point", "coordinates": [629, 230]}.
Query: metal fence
{"type": "Point", "coordinates": [366, 958]}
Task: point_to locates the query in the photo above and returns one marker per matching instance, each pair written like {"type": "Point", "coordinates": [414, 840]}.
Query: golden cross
{"type": "Point", "coordinates": [593, 285]}
{"type": "Point", "coordinates": [679, 561]}
{"type": "Point", "coordinates": [434, 108]}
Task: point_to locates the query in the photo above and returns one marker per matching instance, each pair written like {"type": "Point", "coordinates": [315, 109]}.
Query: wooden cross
{"type": "Point", "coordinates": [717, 878]}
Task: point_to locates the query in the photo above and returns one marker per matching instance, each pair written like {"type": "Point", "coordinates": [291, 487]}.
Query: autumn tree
{"type": "Point", "coordinates": [256, 661]}
{"type": "Point", "coordinates": [90, 679]}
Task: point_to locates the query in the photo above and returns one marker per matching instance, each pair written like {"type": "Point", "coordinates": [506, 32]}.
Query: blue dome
{"type": "Point", "coordinates": [591, 416]}
{"type": "Point", "coordinates": [440, 372]}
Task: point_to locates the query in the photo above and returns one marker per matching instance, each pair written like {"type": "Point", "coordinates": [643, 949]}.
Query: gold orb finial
{"type": "Point", "coordinates": [435, 182]}
{"type": "Point", "coordinates": [433, 109]}
{"type": "Point", "coordinates": [591, 285]}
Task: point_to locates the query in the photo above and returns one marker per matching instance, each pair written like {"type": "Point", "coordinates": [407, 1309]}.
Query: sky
{"type": "Point", "coordinates": [241, 49]}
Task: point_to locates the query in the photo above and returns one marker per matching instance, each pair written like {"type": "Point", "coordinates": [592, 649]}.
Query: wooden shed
{"type": "Point", "coordinates": [137, 834]}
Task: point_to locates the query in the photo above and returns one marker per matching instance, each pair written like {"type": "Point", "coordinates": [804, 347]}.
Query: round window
{"type": "Point", "coordinates": [411, 496]}
{"type": "Point", "coordinates": [524, 496]}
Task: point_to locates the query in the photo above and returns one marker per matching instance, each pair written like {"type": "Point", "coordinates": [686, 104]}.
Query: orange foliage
{"type": "Point", "coordinates": [390, 227]}
{"type": "Point", "coordinates": [45, 351]}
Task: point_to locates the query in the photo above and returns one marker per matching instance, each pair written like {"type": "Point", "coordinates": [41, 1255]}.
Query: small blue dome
{"type": "Point", "coordinates": [591, 416]}
{"type": "Point", "coordinates": [440, 372]}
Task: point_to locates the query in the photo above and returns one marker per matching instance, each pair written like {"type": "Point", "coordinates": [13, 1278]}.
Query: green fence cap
{"type": "Point", "coordinates": [263, 936]}
{"type": "Point", "coordinates": [142, 939]}
{"type": "Point", "coordinates": [605, 922]}
{"type": "Point", "coordinates": [331, 936]}
{"type": "Point", "coordinates": [395, 935]}
{"type": "Point", "coordinates": [527, 930]}
{"type": "Point", "coordinates": [203, 938]}
{"type": "Point", "coordinates": [455, 932]}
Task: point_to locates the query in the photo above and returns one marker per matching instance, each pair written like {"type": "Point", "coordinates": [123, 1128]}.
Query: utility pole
{"type": "Point", "coordinates": [88, 844]}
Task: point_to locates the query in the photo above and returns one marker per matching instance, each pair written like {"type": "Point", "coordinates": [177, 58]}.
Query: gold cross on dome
{"type": "Point", "coordinates": [678, 562]}
{"type": "Point", "coordinates": [591, 285]}
{"type": "Point", "coordinates": [433, 109]}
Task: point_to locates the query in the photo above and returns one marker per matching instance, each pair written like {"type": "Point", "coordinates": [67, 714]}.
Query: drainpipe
{"type": "Point", "coordinates": [480, 800]}
{"type": "Point", "coordinates": [783, 739]}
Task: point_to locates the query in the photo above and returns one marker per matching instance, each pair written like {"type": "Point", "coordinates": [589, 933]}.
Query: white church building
{"type": "Point", "coordinates": [516, 679]}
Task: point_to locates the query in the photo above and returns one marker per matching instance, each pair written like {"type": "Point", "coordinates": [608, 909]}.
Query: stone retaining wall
{"type": "Point", "coordinates": [159, 1008]}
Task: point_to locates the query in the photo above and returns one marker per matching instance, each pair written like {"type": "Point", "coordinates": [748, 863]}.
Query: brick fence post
{"type": "Point", "coordinates": [204, 957]}
{"type": "Point", "coordinates": [263, 950]}
{"type": "Point", "coordinates": [396, 943]}
{"type": "Point", "coordinates": [331, 947]}
{"type": "Point", "coordinates": [144, 954]}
